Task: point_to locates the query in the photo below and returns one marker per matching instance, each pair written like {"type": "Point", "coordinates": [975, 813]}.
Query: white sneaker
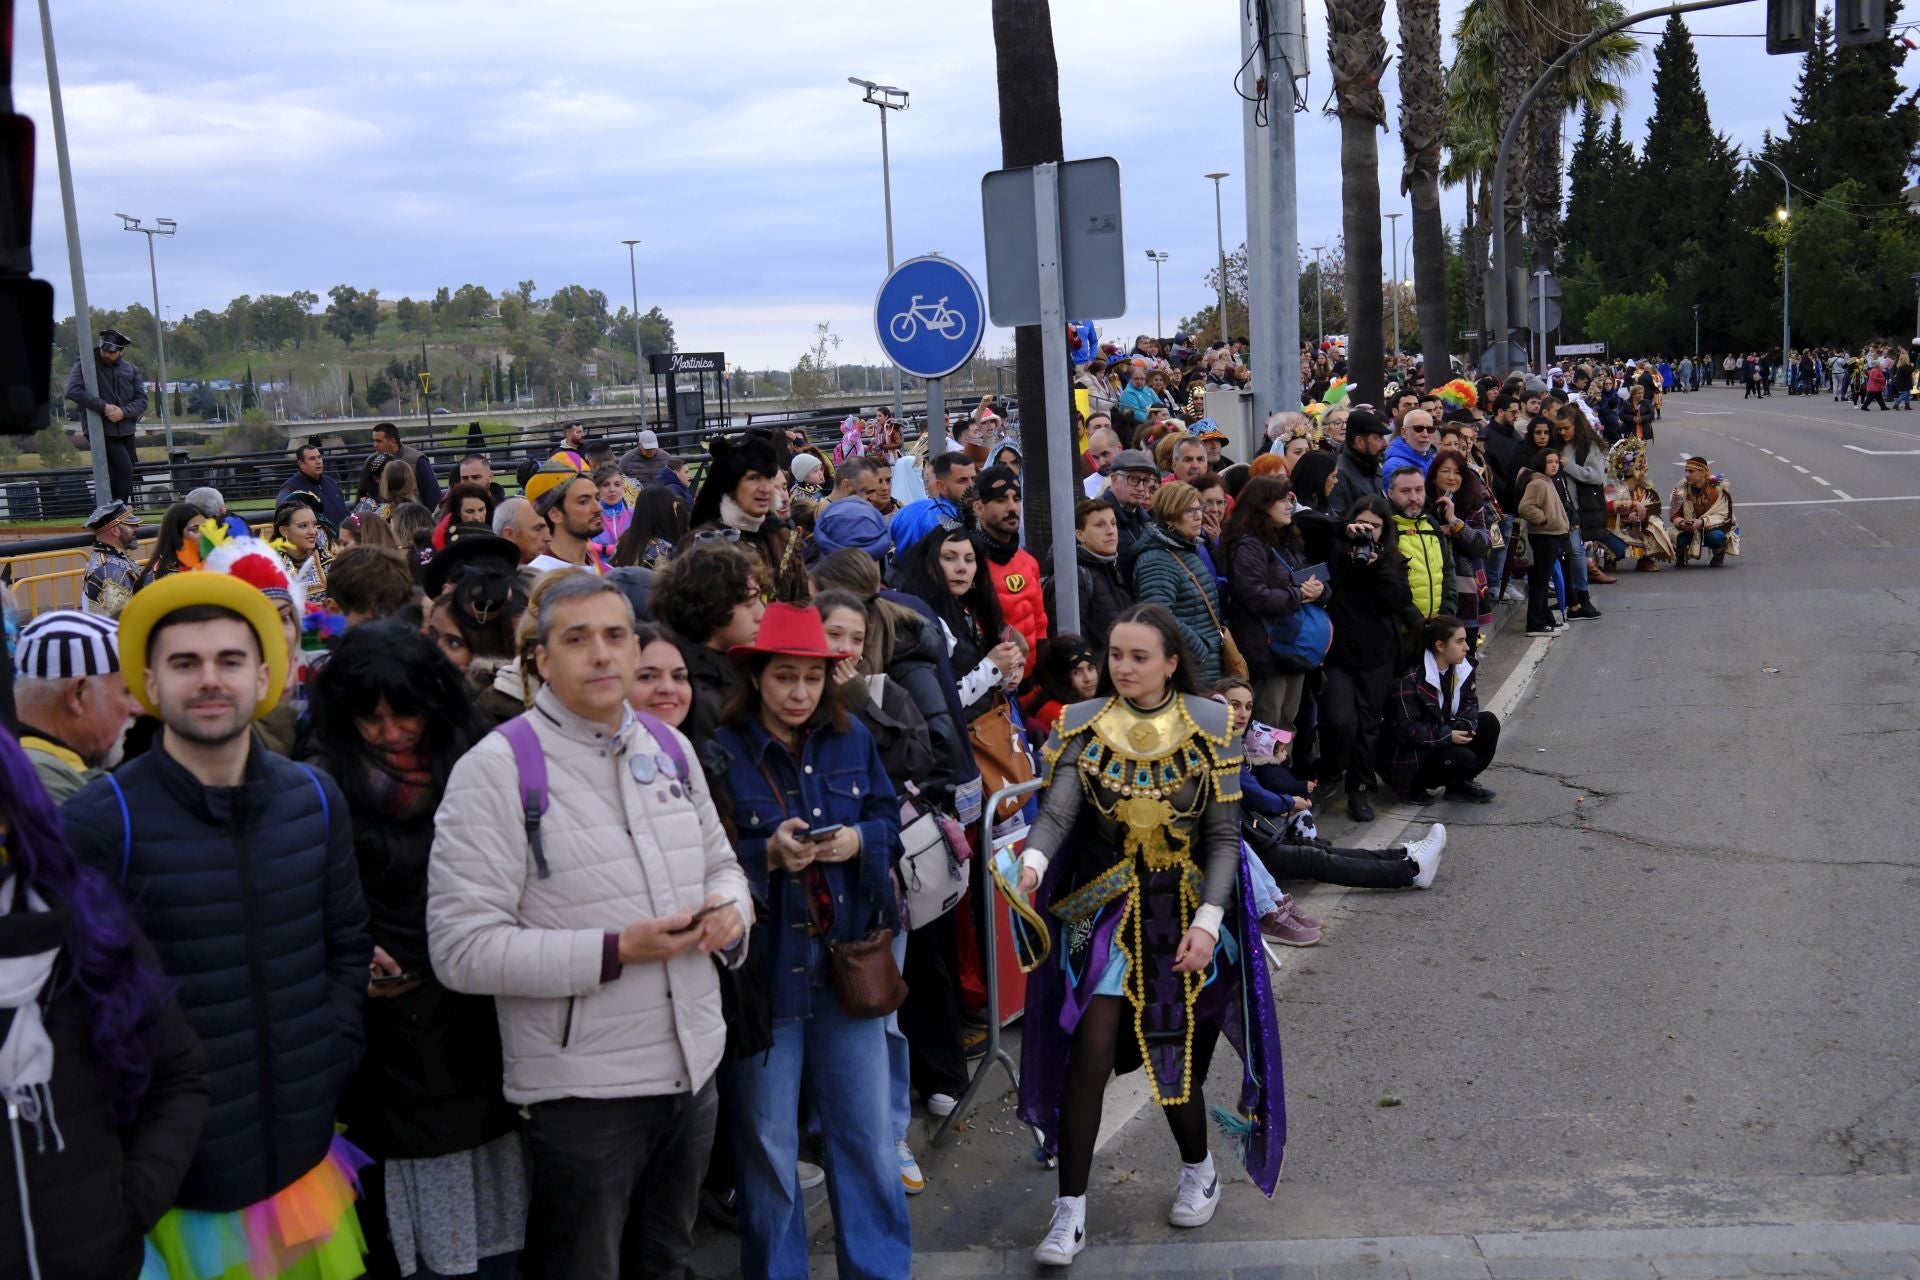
{"type": "Point", "coordinates": [1426, 855]}
{"type": "Point", "coordinates": [941, 1104]}
{"type": "Point", "coordinates": [811, 1175]}
{"type": "Point", "coordinates": [1067, 1235]}
{"type": "Point", "coordinates": [1197, 1196]}
{"type": "Point", "coordinates": [910, 1175]}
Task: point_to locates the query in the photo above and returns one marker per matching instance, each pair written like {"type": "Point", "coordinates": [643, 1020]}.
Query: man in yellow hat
{"type": "Point", "coordinates": [239, 866]}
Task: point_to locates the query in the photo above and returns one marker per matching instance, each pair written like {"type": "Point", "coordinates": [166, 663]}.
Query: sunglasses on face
{"type": "Point", "coordinates": [109, 349]}
{"type": "Point", "coordinates": [717, 535]}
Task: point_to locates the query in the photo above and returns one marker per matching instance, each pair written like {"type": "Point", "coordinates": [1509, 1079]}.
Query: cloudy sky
{"type": "Point", "coordinates": [406, 146]}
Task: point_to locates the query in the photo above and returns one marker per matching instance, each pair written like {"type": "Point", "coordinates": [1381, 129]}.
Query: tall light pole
{"type": "Point", "coordinates": [82, 314]}
{"type": "Point", "coordinates": [639, 361]}
{"type": "Point", "coordinates": [1696, 330]}
{"type": "Point", "coordinates": [1319, 296]}
{"type": "Point", "coordinates": [162, 227]}
{"type": "Point", "coordinates": [1916, 305]}
{"type": "Point", "coordinates": [1393, 238]}
{"type": "Point", "coordinates": [1220, 239]}
{"type": "Point", "coordinates": [1785, 215]}
{"type": "Point", "coordinates": [887, 98]}
{"type": "Point", "coordinates": [1157, 257]}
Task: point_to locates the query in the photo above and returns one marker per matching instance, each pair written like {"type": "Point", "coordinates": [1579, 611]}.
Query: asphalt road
{"type": "Point", "coordinates": [1669, 979]}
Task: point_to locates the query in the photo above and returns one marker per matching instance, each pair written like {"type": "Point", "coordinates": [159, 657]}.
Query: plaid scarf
{"type": "Point", "coordinates": [400, 784]}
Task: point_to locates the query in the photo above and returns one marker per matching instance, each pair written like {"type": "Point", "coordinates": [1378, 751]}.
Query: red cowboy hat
{"type": "Point", "coordinates": [788, 631]}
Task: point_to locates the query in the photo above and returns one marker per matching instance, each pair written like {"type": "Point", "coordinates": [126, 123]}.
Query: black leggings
{"type": "Point", "coordinates": [1354, 868]}
{"type": "Point", "coordinates": [1095, 1042]}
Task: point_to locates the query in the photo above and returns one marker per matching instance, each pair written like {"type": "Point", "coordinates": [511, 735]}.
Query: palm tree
{"type": "Point", "coordinates": [1029, 84]}
{"type": "Point", "coordinates": [1357, 55]}
{"type": "Point", "coordinates": [1423, 128]}
{"type": "Point", "coordinates": [1473, 95]}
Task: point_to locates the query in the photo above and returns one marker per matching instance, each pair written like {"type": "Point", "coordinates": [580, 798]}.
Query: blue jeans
{"type": "Point", "coordinates": [1266, 890]}
{"type": "Point", "coordinates": [1576, 561]}
{"type": "Point", "coordinates": [1612, 542]}
{"type": "Point", "coordinates": [842, 1062]}
{"type": "Point", "coordinates": [1715, 539]}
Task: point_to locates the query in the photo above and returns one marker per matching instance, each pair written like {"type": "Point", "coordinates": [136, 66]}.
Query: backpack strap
{"type": "Point", "coordinates": [669, 743]}
{"type": "Point", "coordinates": [531, 762]}
{"type": "Point", "coordinates": [126, 828]}
{"type": "Point", "coordinates": [326, 810]}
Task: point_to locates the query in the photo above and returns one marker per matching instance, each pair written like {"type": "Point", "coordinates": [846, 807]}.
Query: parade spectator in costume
{"type": "Point", "coordinates": [111, 576]}
{"type": "Point", "coordinates": [1701, 509]}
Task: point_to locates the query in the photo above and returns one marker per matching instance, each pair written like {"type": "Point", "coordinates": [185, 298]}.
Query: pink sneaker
{"type": "Point", "coordinates": [1292, 904]}
{"type": "Point", "coordinates": [1286, 928]}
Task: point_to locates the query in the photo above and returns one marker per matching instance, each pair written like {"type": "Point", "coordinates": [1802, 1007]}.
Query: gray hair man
{"type": "Point", "coordinates": [72, 701]}
{"type": "Point", "coordinates": [593, 925]}
{"type": "Point", "coordinates": [520, 522]}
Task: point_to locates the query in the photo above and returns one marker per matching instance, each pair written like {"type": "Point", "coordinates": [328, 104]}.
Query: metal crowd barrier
{"type": "Point", "coordinates": [990, 961]}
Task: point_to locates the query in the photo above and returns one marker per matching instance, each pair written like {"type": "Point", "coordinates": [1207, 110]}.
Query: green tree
{"type": "Point", "coordinates": [513, 312]}
{"type": "Point", "coordinates": [249, 395]}
{"type": "Point", "coordinates": [1357, 58]}
{"type": "Point", "coordinates": [352, 314]}
{"type": "Point", "coordinates": [55, 446]}
{"type": "Point", "coordinates": [413, 317]}
{"type": "Point", "coordinates": [1682, 188]}
{"type": "Point", "coordinates": [1423, 129]}
{"type": "Point", "coordinates": [379, 392]}
{"type": "Point", "coordinates": [1635, 321]}
{"type": "Point", "coordinates": [442, 299]}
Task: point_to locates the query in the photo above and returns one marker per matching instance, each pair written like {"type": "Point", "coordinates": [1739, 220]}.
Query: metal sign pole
{"type": "Point", "coordinates": [1053, 343]}
{"type": "Point", "coordinates": [936, 417]}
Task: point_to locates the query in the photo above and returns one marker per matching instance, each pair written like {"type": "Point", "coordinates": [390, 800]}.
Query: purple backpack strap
{"type": "Point", "coordinates": [669, 743]}
{"type": "Point", "coordinates": [531, 762]}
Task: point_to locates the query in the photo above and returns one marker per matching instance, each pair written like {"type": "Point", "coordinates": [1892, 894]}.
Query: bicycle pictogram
{"type": "Point", "coordinates": [936, 316]}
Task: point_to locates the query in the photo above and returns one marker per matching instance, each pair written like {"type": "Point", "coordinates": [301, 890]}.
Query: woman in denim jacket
{"type": "Point", "coordinates": [817, 828]}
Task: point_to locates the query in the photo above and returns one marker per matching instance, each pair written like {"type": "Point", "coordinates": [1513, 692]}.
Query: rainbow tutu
{"type": "Point", "coordinates": [308, 1231]}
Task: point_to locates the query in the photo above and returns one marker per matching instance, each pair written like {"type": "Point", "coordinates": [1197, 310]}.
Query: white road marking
{"type": "Point", "coordinates": [1844, 495]}
{"type": "Point", "coordinates": [1882, 453]}
{"type": "Point", "coordinates": [1708, 413]}
{"type": "Point", "coordinates": [1802, 470]}
{"type": "Point", "coordinates": [1818, 480]}
{"type": "Point", "coordinates": [1784, 458]}
{"type": "Point", "coordinates": [1829, 502]}
{"type": "Point", "coordinates": [1764, 449]}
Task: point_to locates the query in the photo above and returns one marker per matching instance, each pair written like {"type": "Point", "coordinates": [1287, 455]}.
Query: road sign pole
{"type": "Point", "coordinates": [1053, 344]}
{"type": "Point", "coordinates": [936, 417]}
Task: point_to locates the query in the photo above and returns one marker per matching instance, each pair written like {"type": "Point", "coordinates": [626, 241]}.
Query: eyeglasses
{"type": "Point", "coordinates": [717, 535]}
{"type": "Point", "coordinates": [110, 348]}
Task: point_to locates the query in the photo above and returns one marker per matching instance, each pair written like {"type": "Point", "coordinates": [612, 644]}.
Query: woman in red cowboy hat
{"type": "Point", "coordinates": [817, 828]}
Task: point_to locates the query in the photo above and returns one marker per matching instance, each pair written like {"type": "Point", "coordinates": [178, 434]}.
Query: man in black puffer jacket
{"type": "Point", "coordinates": [239, 866]}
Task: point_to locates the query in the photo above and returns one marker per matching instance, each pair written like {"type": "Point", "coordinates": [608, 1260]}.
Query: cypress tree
{"type": "Point", "coordinates": [1809, 141]}
{"type": "Point", "coordinates": [1870, 129]}
{"type": "Point", "coordinates": [1583, 227]}
{"type": "Point", "coordinates": [1682, 186]}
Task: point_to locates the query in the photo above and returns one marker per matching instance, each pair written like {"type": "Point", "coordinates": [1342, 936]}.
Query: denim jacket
{"type": "Point", "coordinates": [839, 778]}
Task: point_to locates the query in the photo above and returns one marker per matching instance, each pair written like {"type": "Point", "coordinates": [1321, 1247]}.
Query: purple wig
{"type": "Point", "coordinates": [122, 995]}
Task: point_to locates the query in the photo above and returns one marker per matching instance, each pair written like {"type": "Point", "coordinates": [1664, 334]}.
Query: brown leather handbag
{"type": "Point", "coordinates": [1000, 755]}
{"type": "Point", "coordinates": [864, 975]}
{"type": "Point", "coordinates": [1232, 661]}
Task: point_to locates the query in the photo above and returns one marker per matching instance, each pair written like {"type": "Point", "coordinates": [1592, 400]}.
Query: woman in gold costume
{"type": "Point", "coordinates": [1135, 867]}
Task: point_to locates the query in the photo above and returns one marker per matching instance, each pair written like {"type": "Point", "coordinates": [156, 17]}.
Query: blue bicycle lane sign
{"type": "Point", "coordinates": [929, 316]}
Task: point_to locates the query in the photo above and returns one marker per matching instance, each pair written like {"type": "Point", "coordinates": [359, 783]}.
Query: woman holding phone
{"type": "Point", "coordinates": [817, 828]}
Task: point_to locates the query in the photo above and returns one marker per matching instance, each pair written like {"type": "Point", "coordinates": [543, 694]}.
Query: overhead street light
{"type": "Point", "coordinates": [1157, 257]}
{"type": "Point", "coordinates": [1782, 214]}
{"type": "Point", "coordinates": [888, 98]}
{"type": "Point", "coordinates": [161, 227]}
{"type": "Point", "coordinates": [1220, 240]}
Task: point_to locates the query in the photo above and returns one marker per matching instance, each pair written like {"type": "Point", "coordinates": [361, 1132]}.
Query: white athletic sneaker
{"type": "Point", "coordinates": [1426, 855]}
{"type": "Point", "coordinates": [910, 1176]}
{"type": "Point", "coordinates": [1067, 1236]}
{"type": "Point", "coordinates": [941, 1104]}
{"type": "Point", "coordinates": [811, 1175]}
{"type": "Point", "coordinates": [1197, 1196]}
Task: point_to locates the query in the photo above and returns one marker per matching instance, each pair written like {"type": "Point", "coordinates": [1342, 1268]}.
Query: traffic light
{"type": "Point", "coordinates": [1789, 26]}
{"type": "Point", "coordinates": [1859, 21]}
{"type": "Point", "coordinates": [26, 305]}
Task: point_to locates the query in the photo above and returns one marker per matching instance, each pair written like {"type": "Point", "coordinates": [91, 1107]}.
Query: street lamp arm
{"type": "Point", "coordinates": [1503, 160]}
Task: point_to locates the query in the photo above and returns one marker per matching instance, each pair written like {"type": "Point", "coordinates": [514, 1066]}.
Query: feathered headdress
{"type": "Point", "coordinates": [1627, 460]}
{"type": "Point", "coordinates": [1459, 394]}
{"type": "Point", "coordinates": [213, 536]}
{"type": "Point", "coordinates": [254, 562]}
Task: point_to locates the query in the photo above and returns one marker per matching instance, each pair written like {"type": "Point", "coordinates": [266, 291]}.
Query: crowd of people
{"type": "Point", "coordinates": [461, 876]}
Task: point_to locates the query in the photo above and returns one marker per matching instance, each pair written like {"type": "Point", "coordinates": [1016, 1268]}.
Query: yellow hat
{"type": "Point", "coordinates": [170, 594]}
{"type": "Point", "coordinates": [553, 473]}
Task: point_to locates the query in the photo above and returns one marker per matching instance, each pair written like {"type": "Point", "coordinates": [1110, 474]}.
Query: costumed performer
{"type": "Point", "coordinates": [1701, 508]}
{"type": "Point", "coordinates": [1135, 867]}
{"type": "Point", "coordinates": [1634, 513]}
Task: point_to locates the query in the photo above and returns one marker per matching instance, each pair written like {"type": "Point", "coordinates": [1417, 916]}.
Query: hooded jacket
{"type": "Point", "coordinates": [120, 384]}
{"type": "Point", "coordinates": [1357, 476]}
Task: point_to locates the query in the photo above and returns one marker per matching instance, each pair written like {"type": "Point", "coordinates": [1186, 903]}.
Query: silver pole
{"type": "Point", "coordinates": [886, 190]}
{"type": "Point", "coordinates": [1053, 341]}
{"type": "Point", "coordinates": [1786, 280]}
{"type": "Point", "coordinates": [1393, 238]}
{"type": "Point", "coordinates": [1159, 328]}
{"type": "Point", "coordinates": [82, 314]}
{"type": "Point", "coordinates": [1319, 298]}
{"type": "Point", "coordinates": [1541, 275]}
{"type": "Point", "coordinates": [639, 361]}
{"type": "Point", "coordinates": [160, 346]}
{"type": "Point", "coordinates": [1220, 242]}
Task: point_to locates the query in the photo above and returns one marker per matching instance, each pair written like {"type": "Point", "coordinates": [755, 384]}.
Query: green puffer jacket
{"type": "Point", "coordinates": [1169, 570]}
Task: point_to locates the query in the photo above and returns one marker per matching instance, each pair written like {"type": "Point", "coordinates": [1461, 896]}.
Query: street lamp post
{"type": "Point", "coordinates": [887, 98]}
{"type": "Point", "coordinates": [1916, 305]}
{"type": "Point", "coordinates": [1785, 215]}
{"type": "Point", "coordinates": [1393, 238]}
{"type": "Point", "coordinates": [1319, 297]}
{"type": "Point", "coordinates": [639, 361]}
{"type": "Point", "coordinates": [1220, 240]}
{"type": "Point", "coordinates": [1157, 256]}
{"type": "Point", "coordinates": [1696, 330]}
{"type": "Point", "coordinates": [162, 227]}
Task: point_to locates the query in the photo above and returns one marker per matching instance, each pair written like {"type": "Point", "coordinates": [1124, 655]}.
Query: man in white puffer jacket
{"type": "Point", "coordinates": [596, 942]}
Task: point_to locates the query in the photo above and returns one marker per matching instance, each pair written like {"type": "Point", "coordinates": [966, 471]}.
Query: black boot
{"type": "Point", "coordinates": [1719, 558]}
{"type": "Point", "coordinates": [1582, 607]}
{"type": "Point", "coordinates": [1357, 806]}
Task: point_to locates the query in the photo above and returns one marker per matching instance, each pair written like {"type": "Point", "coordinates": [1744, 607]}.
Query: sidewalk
{"type": "Point", "coordinates": [1838, 1251]}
